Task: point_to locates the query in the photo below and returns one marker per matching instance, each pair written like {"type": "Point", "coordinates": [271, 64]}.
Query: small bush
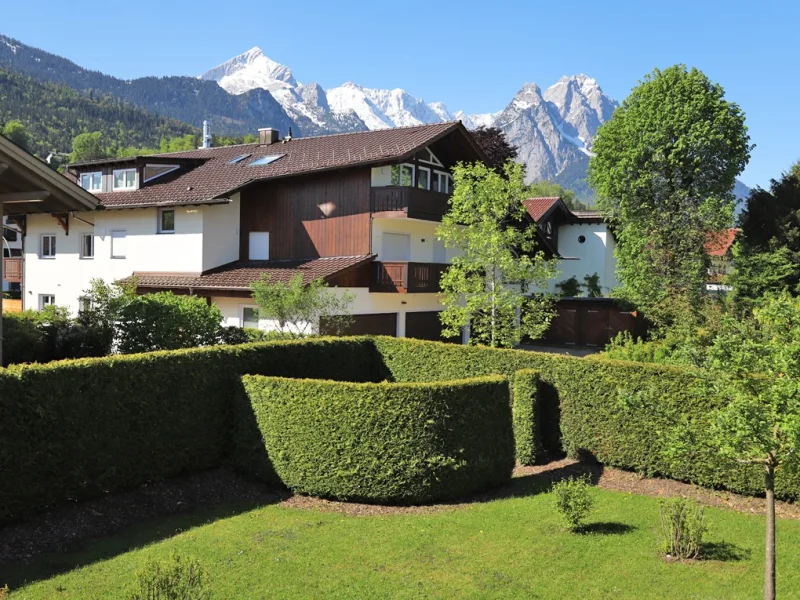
{"type": "Point", "coordinates": [683, 526]}
{"type": "Point", "coordinates": [177, 578]}
{"type": "Point", "coordinates": [573, 500]}
{"type": "Point", "coordinates": [378, 442]}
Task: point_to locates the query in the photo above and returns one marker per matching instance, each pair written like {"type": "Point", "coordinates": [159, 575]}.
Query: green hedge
{"type": "Point", "coordinates": [76, 429]}
{"type": "Point", "coordinates": [621, 413]}
{"type": "Point", "coordinates": [399, 443]}
{"type": "Point", "coordinates": [527, 438]}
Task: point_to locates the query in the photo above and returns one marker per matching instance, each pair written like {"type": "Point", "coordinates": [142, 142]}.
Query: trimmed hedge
{"type": "Point", "coordinates": [620, 413]}
{"type": "Point", "coordinates": [391, 443]}
{"type": "Point", "coordinates": [527, 438]}
{"type": "Point", "coordinates": [76, 429]}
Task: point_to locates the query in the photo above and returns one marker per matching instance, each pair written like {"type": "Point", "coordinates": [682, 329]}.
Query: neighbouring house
{"type": "Point", "coordinates": [358, 210]}
{"type": "Point", "coordinates": [580, 240]}
{"type": "Point", "coordinates": [719, 246]}
{"type": "Point", "coordinates": [29, 188]}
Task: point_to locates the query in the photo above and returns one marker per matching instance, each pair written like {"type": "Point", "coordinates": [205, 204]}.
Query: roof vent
{"type": "Point", "coordinates": [288, 137]}
{"type": "Point", "coordinates": [268, 135]}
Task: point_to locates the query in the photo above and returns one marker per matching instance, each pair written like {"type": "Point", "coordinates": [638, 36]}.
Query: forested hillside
{"type": "Point", "coordinates": [54, 114]}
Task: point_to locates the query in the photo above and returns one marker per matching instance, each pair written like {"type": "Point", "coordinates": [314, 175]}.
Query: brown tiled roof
{"type": "Point", "coordinates": [538, 207]}
{"type": "Point", "coordinates": [215, 178]}
{"type": "Point", "coordinates": [239, 275]}
{"type": "Point", "coordinates": [718, 243]}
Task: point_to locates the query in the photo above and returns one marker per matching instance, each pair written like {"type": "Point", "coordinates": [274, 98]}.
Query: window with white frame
{"type": "Point", "coordinates": [403, 175]}
{"type": "Point", "coordinates": [166, 220]}
{"type": "Point", "coordinates": [84, 304]}
{"type": "Point", "coordinates": [442, 182]}
{"type": "Point", "coordinates": [119, 243]}
{"type": "Point", "coordinates": [47, 245]}
{"type": "Point", "coordinates": [249, 317]}
{"type": "Point", "coordinates": [424, 178]}
{"type": "Point", "coordinates": [87, 245]}
{"type": "Point", "coordinates": [124, 179]}
{"type": "Point", "coordinates": [46, 300]}
{"type": "Point", "coordinates": [92, 182]}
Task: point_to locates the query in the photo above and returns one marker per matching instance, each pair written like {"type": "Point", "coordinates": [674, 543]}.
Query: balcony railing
{"type": "Point", "coordinates": [406, 277]}
{"type": "Point", "coordinates": [410, 202]}
{"type": "Point", "coordinates": [12, 270]}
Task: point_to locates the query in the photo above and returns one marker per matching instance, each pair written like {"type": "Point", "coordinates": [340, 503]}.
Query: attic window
{"type": "Point", "coordinates": [265, 160]}
{"type": "Point", "coordinates": [238, 159]}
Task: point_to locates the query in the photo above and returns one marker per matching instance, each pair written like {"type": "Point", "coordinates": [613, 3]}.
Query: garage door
{"type": "Point", "coordinates": [426, 326]}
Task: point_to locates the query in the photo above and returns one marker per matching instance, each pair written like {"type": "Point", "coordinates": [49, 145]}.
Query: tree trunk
{"type": "Point", "coordinates": [769, 567]}
{"type": "Point", "coordinates": [494, 310]}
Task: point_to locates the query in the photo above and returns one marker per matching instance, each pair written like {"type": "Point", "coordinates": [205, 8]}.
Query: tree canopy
{"type": "Point", "coordinates": [664, 171]}
{"type": "Point", "coordinates": [17, 133]}
{"type": "Point", "coordinates": [494, 144]}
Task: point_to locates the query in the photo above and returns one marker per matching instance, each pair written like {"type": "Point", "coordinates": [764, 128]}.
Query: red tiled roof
{"type": "Point", "coordinates": [239, 275]}
{"type": "Point", "coordinates": [215, 178]}
{"type": "Point", "coordinates": [538, 207]}
{"type": "Point", "coordinates": [718, 243]}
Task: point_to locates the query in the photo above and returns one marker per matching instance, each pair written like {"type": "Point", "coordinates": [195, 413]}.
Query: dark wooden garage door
{"type": "Point", "coordinates": [426, 326]}
{"type": "Point", "coordinates": [377, 324]}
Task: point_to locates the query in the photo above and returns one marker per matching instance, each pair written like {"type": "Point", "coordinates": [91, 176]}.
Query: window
{"type": "Point", "coordinates": [424, 178]}
{"type": "Point", "coordinates": [259, 245]}
{"type": "Point", "coordinates": [265, 160]}
{"type": "Point", "coordinates": [84, 304]}
{"type": "Point", "coordinates": [118, 244]}
{"type": "Point", "coordinates": [250, 317]}
{"type": "Point", "coordinates": [46, 300]}
{"type": "Point", "coordinates": [92, 181]}
{"type": "Point", "coordinates": [442, 182]}
{"type": "Point", "coordinates": [238, 159]}
{"type": "Point", "coordinates": [166, 220]}
{"type": "Point", "coordinates": [396, 246]}
{"type": "Point", "coordinates": [9, 234]}
{"type": "Point", "coordinates": [581, 239]}
{"type": "Point", "coordinates": [87, 245]}
{"type": "Point", "coordinates": [47, 246]}
{"type": "Point", "coordinates": [403, 175]}
{"type": "Point", "coordinates": [154, 171]}
{"type": "Point", "coordinates": [124, 179]}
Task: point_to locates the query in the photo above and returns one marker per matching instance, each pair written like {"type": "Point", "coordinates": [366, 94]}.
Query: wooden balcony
{"type": "Point", "coordinates": [408, 202]}
{"type": "Point", "coordinates": [406, 277]}
{"type": "Point", "coordinates": [12, 270]}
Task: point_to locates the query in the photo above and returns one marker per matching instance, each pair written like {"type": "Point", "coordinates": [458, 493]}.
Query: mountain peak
{"type": "Point", "coordinates": [250, 70]}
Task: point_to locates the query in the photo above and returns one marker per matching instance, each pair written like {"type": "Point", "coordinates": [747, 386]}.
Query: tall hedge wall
{"type": "Point", "coordinates": [619, 412]}
{"type": "Point", "coordinates": [76, 429]}
{"type": "Point", "coordinates": [527, 432]}
{"type": "Point", "coordinates": [400, 443]}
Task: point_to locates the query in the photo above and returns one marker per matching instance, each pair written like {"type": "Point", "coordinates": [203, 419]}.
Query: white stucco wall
{"type": "Point", "coordinates": [594, 255]}
{"type": "Point", "coordinates": [67, 275]}
{"type": "Point", "coordinates": [422, 233]}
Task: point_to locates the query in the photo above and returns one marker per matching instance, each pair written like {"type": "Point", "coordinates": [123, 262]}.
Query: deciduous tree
{"type": "Point", "coordinates": [489, 282]}
{"type": "Point", "coordinates": [664, 170]}
{"type": "Point", "coordinates": [494, 144]}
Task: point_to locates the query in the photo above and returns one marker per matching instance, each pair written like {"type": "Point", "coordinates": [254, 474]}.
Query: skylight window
{"type": "Point", "coordinates": [238, 159]}
{"type": "Point", "coordinates": [265, 160]}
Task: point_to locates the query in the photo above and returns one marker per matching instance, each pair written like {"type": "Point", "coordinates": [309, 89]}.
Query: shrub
{"type": "Point", "coordinates": [682, 528]}
{"type": "Point", "coordinates": [396, 443]}
{"type": "Point", "coordinates": [527, 439]}
{"type": "Point", "coordinates": [572, 499]}
{"type": "Point", "coordinates": [77, 429]}
{"type": "Point", "coordinates": [23, 341]}
{"type": "Point", "coordinates": [621, 413]}
{"type": "Point", "coordinates": [164, 321]}
{"type": "Point", "coordinates": [178, 578]}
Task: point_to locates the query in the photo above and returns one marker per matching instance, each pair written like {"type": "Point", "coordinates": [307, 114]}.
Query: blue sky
{"type": "Point", "coordinates": [469, 55]}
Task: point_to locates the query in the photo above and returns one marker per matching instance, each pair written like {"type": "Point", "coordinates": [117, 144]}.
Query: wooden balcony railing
{"type": "Point", "coordinates": [409, 202]}
{"type": "Point", "coordinates": [12, 270]}
{"type": "Point", "coordinates": [406, 277]}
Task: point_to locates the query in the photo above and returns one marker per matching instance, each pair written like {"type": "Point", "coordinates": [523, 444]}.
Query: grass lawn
{"type": "Point", "coordinates": [505, 548]}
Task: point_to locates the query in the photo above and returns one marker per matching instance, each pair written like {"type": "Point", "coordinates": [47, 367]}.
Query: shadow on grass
{"type": "Point", "coordinates": [724, 551]}
{"type": "Point", "coordinates": [605, 528]}
{"type": "Point", "coordinates": [76, 536]}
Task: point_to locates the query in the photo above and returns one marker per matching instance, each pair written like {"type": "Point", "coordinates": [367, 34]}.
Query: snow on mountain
{"type": "Point", "coordinates": [477, 120]}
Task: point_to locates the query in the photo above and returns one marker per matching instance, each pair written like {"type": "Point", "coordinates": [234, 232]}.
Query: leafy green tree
{"type": "Point", "coordinates": [88, 146]}
{"type": "Point", "coordinates": [18, 133]}
{"type": "Point", "coordinates": [300, 309]}
{"type": "Point", "coordinates": [104, 310]}
{"type": "Point", "coordinates": [549, 189]}
{"type": "Point", "coordinates": [664, 170]}
{"type": "Point", "coordinates": [164, 321]}
{"type": "Point", "coordinates": [755, 366]}
{"type": "Point", "coordinates": [487, 284]}
{"type": "Point", "coordinates": [768, 259]}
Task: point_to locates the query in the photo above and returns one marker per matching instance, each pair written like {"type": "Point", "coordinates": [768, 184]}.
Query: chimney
{"type": "Point", "coordinates": [268, 135]}
{"type": "Point", "coordinates": [206, 135]}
